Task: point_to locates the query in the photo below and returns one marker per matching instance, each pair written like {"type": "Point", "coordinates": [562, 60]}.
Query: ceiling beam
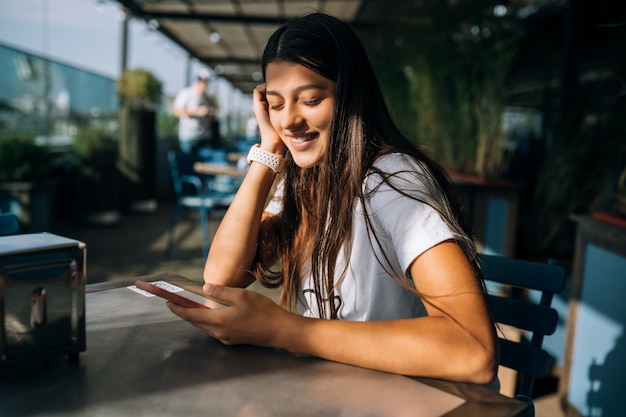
{"type": "Point", "coordinates": [223, 18]}
{"type": "Point", "coordinates": [259, 20]}
{"type": "Point", "coordinates": [138, 11]}
{"type": "Point", "coordinates": [230, 60]}
{"type": "Point", "coordinates": [240, 78]}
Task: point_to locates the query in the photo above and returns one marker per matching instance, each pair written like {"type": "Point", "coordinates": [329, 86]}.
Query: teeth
{"type": "Point", "coordinates": [303, 138]}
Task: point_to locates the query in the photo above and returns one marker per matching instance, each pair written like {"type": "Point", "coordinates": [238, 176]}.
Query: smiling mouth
{"type": "Point", "coordinates": [304, 138]}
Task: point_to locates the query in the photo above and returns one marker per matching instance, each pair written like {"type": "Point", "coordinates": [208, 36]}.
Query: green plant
{"type": "Point", "coordinates": [139, 87]}
{"type": "Point", "coordinates": [445, 80]}
{"type": "Point", "coordinates": [95, 150]}
{"type": "Point", "coordinates": [167, 125]}
{"type": "Point", "coordinates": [22, 159]}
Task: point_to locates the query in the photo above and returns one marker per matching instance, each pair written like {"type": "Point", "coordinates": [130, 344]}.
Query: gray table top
{"type": "Point", "coordinates": [141, 360]}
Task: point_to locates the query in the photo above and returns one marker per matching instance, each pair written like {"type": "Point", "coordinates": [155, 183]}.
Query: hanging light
{"type": "Point", "coordinates": [499, 10]}
{"type": "Point", "coordinates": [214, 36]}
{"type": "Point", "coordinates": [153, 24]}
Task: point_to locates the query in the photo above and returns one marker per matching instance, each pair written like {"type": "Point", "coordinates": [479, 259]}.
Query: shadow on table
{"type": "Point", "coordinates": [172, 368]}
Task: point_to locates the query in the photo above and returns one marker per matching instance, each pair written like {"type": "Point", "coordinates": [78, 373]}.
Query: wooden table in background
{"type": "Point", "coordinates": [208, 168]}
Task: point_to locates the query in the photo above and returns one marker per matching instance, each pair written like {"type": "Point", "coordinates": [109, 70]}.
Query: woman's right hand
{"type": "Point", "coordinates": [249, 318]}
{"type": "Point", "coordinates": [270, 139]}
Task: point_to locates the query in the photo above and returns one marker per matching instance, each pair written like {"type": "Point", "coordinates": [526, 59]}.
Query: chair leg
{"type": "Point", "coordinates": [204, 224]}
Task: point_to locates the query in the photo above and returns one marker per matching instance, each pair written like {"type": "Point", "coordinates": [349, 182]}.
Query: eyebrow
{"type": "Point", "coordinates": [298, 89]}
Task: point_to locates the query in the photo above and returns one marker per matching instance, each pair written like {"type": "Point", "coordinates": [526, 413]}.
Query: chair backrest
{"type": "Point", "coordinates": [182, 172]}
{"type": "Point", "coordinates": [511, 306]}
{"type": "Point", "coordinates": [9, 225]}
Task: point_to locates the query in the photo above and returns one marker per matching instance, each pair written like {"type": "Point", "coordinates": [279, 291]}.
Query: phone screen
{"type": "Point", "coordinates": [168, 295]}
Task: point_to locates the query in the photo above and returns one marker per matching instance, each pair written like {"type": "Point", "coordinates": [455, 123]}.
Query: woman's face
{"type": "Point", "coordinates": [301, 104]}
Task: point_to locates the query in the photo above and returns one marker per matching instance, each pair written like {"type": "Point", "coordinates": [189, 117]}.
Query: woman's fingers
{"type": "Point", "coordinates": [249, 318]}
{"type": "Point", "coordinates": [269, 136]}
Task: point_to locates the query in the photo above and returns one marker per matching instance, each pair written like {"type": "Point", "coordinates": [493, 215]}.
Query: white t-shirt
{"type": "Point", "coordinates": [406, 228]}
{"type": "Point", "coordinates": [193, 127]}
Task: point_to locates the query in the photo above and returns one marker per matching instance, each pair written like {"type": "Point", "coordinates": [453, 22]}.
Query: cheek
{"type": "Point", "coordinates": [320, 118]}
{"type": "Point", "coordinates": [274, 120]}
{"type": "Point", "coordinates": [328, 121]}
{"type": "Point", "coordinates": [326, 117]}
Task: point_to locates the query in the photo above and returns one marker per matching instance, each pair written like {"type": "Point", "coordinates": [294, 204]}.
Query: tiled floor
{"type": "Point", "coordinates": [134, 247]}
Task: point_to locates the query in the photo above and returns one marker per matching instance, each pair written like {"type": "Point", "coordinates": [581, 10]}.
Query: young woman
{"type": "Point", "coordinates": [358, 227]}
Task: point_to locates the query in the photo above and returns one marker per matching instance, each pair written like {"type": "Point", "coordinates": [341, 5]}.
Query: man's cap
{"type": "Point", "coordinates": [204, 74]}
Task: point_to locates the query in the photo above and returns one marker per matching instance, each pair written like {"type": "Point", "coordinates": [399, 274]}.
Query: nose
{"type": "Point", "coordinates": [291, 117]}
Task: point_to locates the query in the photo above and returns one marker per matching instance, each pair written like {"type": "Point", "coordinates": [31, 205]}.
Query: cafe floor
{"type": "Point", "coordinates": [134, 247]}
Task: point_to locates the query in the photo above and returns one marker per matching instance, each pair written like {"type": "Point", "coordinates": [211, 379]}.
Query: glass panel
{"type": "Point", "coordinates": [51, 100]}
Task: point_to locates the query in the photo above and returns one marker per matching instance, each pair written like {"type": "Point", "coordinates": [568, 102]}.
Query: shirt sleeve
{"type": "Point", "coordinates": [406, 224]}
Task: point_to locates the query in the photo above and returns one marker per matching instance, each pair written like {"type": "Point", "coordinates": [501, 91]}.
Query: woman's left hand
{"type": "Point", "coordinates": [250, 318]}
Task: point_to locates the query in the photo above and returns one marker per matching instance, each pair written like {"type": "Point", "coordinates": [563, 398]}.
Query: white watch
{"type": "Point", "coordinates": [271, 160]}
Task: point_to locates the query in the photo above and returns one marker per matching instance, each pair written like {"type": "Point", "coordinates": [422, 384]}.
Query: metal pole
{"type": "Point", "coordinates": [124, 58]}
{"type": "Point", "coordinates": [188, 70]}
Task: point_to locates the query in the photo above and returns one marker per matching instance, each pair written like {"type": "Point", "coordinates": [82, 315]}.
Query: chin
{"type": "Point", "coordinates": [306, 164]}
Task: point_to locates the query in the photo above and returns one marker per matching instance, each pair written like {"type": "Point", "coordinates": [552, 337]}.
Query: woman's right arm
{"type": "Point", "coordinates": [234, 245]}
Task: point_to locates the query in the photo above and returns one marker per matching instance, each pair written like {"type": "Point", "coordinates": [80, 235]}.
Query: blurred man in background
{"type": "Point", "coordinates": [196, 111]}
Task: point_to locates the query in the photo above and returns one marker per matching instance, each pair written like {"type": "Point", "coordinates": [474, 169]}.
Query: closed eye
{"type": "Point", "coordinates": [313, 102]}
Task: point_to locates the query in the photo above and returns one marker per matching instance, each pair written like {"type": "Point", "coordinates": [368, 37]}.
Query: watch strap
{"type": "Point", "coordinates": [271, 160]}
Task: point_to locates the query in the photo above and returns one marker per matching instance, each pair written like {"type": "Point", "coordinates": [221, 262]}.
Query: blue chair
{"type": "Point", "coordinates": [9, 225]}
{"type": "Point", "coordinates": [511, 306]}
{"type": "Point", "coordinates": [202, 194]}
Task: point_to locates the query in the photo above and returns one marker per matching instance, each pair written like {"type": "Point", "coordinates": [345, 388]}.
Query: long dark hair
{"type": "Point", "coordinates": [319, 202]}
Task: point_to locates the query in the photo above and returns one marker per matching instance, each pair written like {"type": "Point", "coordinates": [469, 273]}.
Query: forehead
{"type": "Point", "coordinates": [284, 76]}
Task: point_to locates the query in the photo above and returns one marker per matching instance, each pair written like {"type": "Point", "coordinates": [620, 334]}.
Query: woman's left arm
{"type": "Point", "coordinates": [456, 341]}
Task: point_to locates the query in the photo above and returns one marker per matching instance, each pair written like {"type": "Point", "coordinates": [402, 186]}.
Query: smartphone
{"type": "Point", "coordinates": [170, 296]}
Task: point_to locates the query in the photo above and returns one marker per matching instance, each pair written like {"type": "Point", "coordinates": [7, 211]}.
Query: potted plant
{"type": "Point", "coordinates": [25, 185]}
{"type": "Point", "coordinates": [446, 85]}
{"type": "Point", "coordinates": [139, 87]}
{"type": "Point", "coordinates": [140, 94]}
{"type": "Point", "coordinates": [95, 155]}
